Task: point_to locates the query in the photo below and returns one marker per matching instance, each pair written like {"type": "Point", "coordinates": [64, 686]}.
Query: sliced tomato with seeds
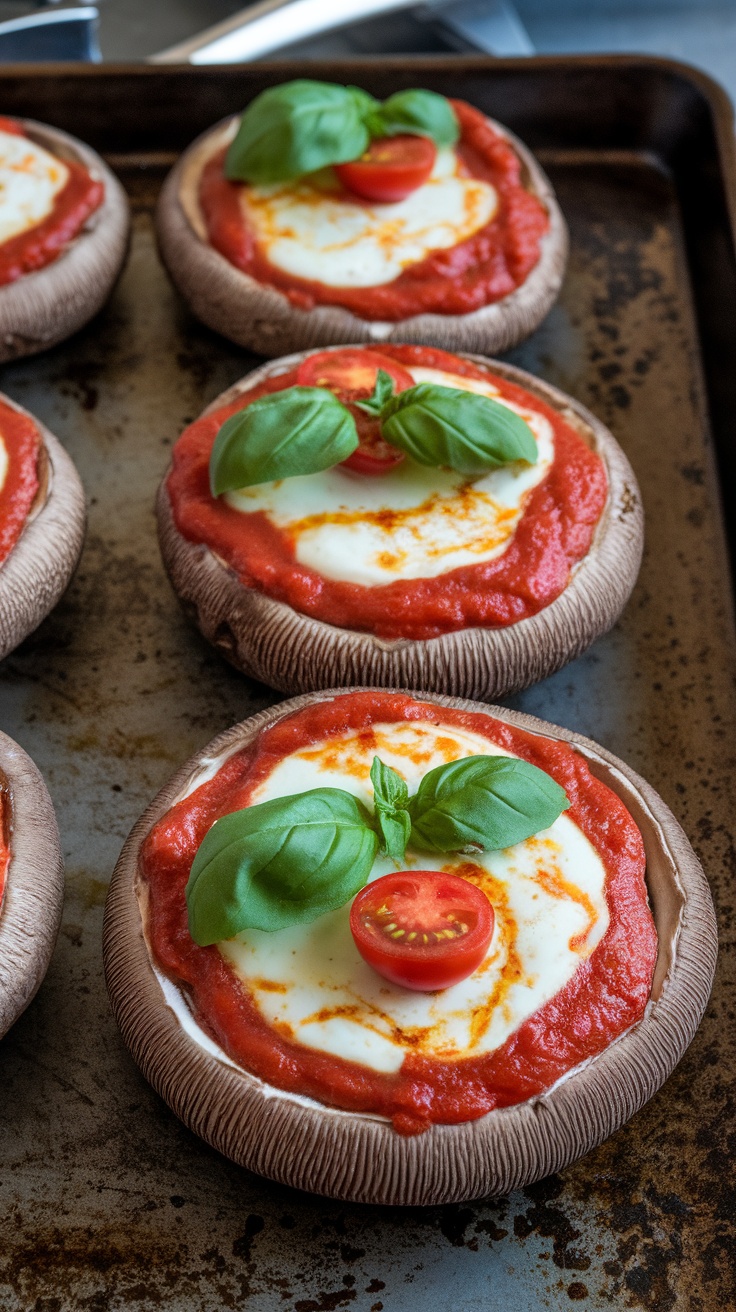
{"type": "Point", "coordinates": [390, 169]}
{"type": "Point", "coordinates": [374, 455]}
{"type": "Point", "coordinates": [351, 374]}
{"type": "Point", "coordinates": [423, 929]}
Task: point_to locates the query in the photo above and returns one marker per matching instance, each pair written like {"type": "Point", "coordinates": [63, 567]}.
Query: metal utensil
{"type": "Point", "coordinates": [62, 34]}
{"type": "Point", "coordinates": [266, 26]}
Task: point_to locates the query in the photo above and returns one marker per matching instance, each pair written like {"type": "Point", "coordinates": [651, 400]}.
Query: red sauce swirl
{"type": "Point", "coordinates": [478, 271]}
{"type": "Point", "coordinates": [555, 531]}
{"type": "Point", "coordinates": [33, 249]}
{"type": "Point", "coordinates": [606, 995]}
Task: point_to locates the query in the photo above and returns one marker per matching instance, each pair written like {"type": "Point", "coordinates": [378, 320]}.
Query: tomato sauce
{"type": "Point", "coordinates": [478, 271]}
{"type": "Point", "coordinates": [606, 995]}
{"type": "Point", "coordinates": [45, 242]}
{"type": "Point", "coordinates": [22, 444]}
{"type": "Point", "coordinates": [555, 531]}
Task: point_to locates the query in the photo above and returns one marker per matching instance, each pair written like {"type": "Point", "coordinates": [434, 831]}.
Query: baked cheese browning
{"type": "Point", "coordinates": [502, 961]}
{"type": "Point", "coordinates": [549, 877]}
{"type": "Point", "coordinates": [477, 524]}
{"type": "Point", "coordinates": [312, 229]}
{"type": "Point", "coordinates": [412, 522]}
{"type": "Point", "coordinates": [354, 755]}
{"type": "Point", "coordinates": [547, 893]}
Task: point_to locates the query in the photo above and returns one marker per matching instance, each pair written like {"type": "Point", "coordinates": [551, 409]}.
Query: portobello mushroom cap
{"type": "Point", "coordinates": [272, 642]}
{"type": "Point", "coordinates": [359, 1157]}
{"type": "Point", "coordinates": [43, 308]}
{"type": "Point", "coordinates": [40, 565]}
{"type": "Point", "coordinates": [30, 910]}
{"type": "Point", "coordinates": [263, 319]}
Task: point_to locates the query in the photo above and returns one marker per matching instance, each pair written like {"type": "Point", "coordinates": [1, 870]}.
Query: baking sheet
{"type": "Point", "coordinates": [108, 1201]}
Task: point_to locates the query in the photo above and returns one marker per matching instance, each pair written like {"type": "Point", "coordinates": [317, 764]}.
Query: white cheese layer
{"type": "Point", "coordinates": [4, 462]}
{"type": "Point", "coordinates": [547, 893]}
{"type": "Point", "coordinates": [326, 237]}
{"type": "Point", "coordinates": [30, 180]}
{"type": "Point", "coordinates": [413, 522]}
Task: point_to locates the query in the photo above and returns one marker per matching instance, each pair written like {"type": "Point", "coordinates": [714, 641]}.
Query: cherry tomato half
{"type": "Point", "coordinates": [390, 169]}
{"type": "Point", "coordinates": [424, 929]}
{"type": "Point", "coordinates": [351, 375]}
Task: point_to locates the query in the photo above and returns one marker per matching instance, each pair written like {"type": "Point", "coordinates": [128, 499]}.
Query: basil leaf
{"type": "Point", "coordinates": [422, 113]}
{"type": "Point", "coordinates": [296, 128]}
{"type": "Point", "coordinates": [490, 802]}
{"type": "Point", "coordinates": [365, 103]}
{"type": "Point", "coordinates": [390, 800]}
{"type": "Point", "coordinates": [461, 430]}
{"type": "Point", "coordinates": [389, 789]}
{"type": "Point", "coordinates": [279, 863]}
{"type": "Point", "coordinates": [300, 430]}
{"type": "Point", "coordinates": [380, 396]}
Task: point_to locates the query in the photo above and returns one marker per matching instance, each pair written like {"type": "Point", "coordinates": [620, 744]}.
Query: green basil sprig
{"type": "Point", "coordinates": [447, 426]}
{"type": "Point", "coordinates": [420, 113]}
{"type": "Point", "coordinates": [303, 430]}
{"type": "Point", "coordinates": [390, 802]}
{"type": "Point", "coordinates": [279, 863]}
{"type": "Point", "coordinates": [300, 430]}
{"type": "Point", "coordinates": [302, 126]}
{"type": "Point", "coordinates": [383, 393]}
{"type": "Point", "coordinates": [486, 802]}
{"type": "Point", "coordinates": [292, 859]}
{"type": "Point", "coordinates": [489, 802]}
{"type": "Point", "coordinates": [297, 128]}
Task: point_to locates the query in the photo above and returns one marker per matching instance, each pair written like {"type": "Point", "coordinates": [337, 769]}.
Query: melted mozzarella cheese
{"type": "Point", "coordinates": [413, 522]}
{"type": "Point", "coordinates": [547, 893]}
{"type": "Point", "coordinates": [4, 461]}
{"type": "Point", "coordinates": [30, 180]}
{"type": "Point", "coordinates": [324, 236]}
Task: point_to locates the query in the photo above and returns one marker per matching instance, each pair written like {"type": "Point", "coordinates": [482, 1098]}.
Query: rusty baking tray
{"type": "Point", "coordinates": [107, 1201]}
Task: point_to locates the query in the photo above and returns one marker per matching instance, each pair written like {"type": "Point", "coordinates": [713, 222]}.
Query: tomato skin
{"type": "Point", "coordinates": [374, 455]}
{"type": "Point", "coordinates": [351, 375]}
{"type": "Point", "coordinates": [390, 169]}
{"type": "Point", "coordinates": [454, 915]}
